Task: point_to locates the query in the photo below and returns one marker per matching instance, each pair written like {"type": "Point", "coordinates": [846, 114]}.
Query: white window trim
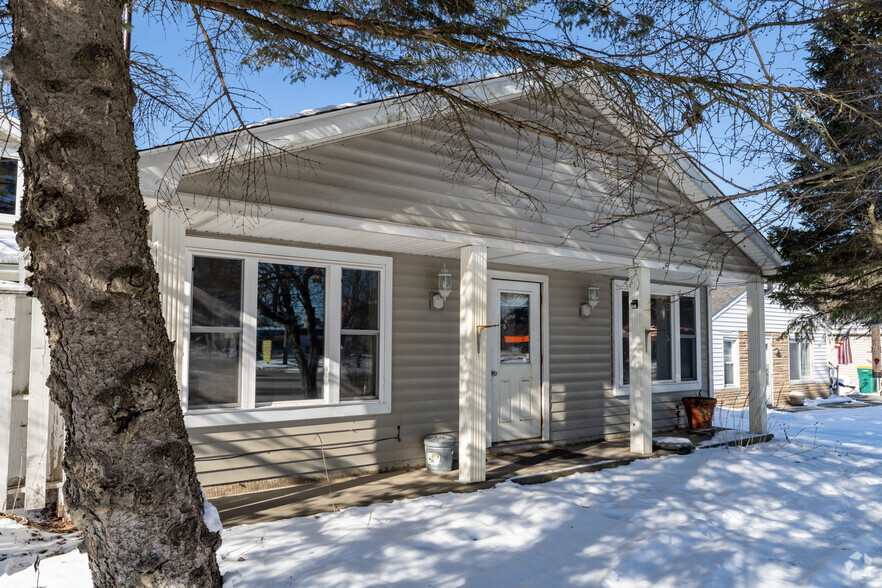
{"type": "Point", "coordinates": [329, 407]}
{"type": "Point", "coordinates": [810, 377]}
{"type": "Point", "coordinates": [675, 385]}
{"type": "Point", "coordinates": [736, 360]}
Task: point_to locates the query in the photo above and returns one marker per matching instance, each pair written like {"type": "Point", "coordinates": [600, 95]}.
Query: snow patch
{"type": "Point", "coordinates": [210, 515]}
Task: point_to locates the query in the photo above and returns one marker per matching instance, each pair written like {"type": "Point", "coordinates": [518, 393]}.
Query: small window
{"type": "Point", "coordinates": [800, 360]}
{"type": "Point", "coordinates": [8, 184]}
{"type": "Point", "coordinates": [729, 362]}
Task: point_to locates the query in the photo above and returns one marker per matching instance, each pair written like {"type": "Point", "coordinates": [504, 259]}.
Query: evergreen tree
{"type": "Point", "coordinates": [835, 254]}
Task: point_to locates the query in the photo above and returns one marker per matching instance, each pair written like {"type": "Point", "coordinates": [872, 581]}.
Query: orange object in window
{"type": "Point", "coordinates": [516, 338]}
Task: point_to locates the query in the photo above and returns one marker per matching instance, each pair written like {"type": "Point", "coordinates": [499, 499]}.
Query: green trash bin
{"type": "Point", "coordinates": [866, 381]}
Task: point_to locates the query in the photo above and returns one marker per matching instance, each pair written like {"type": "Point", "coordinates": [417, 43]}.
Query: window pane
{"type": "Point", "coordinates": [290, 332]}
{"type": "Point", "coordinates": [358, 366]}
{"type": "Point", "coordinates": [687, 316]}
{"type": "Point", "coordinates": [688, 340]}
{"type": "Point", "coordinates": [728, 363]}
{"type": "Point", "coordinates": [217, 292]}
{"type": "Point", "coordinates": [805, 360]}
{"type": "Point", "coordinates": [361, 296]}
{"type": "Point", "coordinates": [794, 360]}
{"type": "Point", "coordinates": [687, 359]}
{"type": "Point", "coordinates": [660, 311]}
{"type": "Point", "coordinates": [214, 369]}
{"type": "Point", "coordinates": [514, 340]}
{"type": "Point", "coordinates": [8, 179]}
{"type": "Point", "coordinates": [626, 352]}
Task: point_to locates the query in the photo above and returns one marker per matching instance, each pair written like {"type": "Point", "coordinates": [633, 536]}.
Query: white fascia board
{"type": "Point", "coordinates": [294, 215]}
{"type": "Point", "coordinates": [683, 173]}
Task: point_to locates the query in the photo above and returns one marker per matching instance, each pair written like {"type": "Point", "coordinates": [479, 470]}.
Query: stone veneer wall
{"type": "Point", "coordinates": [737, 397]}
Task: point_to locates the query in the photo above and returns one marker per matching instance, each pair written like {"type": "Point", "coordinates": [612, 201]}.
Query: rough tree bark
{"type": "Point", "coordinates": [131, 483]}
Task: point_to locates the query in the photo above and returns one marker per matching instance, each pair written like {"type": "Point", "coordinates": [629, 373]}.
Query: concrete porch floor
{"type": "Point", "coordinates": [533, 465]}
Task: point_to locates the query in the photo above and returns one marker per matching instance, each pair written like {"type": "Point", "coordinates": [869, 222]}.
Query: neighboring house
{"type": "Point", "coordinates": [796, 365]}
{"type": "Point", "coordinates": [312, 331]}
{"type": "Point", "coordinates": [861, 355]}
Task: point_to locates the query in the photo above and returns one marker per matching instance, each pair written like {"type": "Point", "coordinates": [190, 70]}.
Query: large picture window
{"type": "Point", "coordinates": [673, 338]}
{"type": "Point", "coordinates": [274, 328]}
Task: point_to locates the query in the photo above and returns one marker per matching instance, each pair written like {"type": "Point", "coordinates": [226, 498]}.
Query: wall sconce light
{"type": "Point", "coordinates": [445, 284]}
{"type": "Point", "coordinates": [593, 298]}
{"type": "Point", "coordinates": [777, 352]}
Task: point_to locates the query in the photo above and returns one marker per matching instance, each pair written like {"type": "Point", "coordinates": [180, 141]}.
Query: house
{"type": "Point", "coordinates": [791, 364]}
{"type": "Point", "coordinates": [365, 295]}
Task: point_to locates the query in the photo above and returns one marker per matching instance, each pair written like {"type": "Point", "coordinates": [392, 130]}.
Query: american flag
{"type": "Point", "coordinates": [843, 348]}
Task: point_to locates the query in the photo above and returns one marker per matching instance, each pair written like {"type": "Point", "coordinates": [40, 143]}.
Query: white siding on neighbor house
{"type": "Point", "coordinates": [733, 319]}
{"type": "Point", "coordinates": [400, 176]}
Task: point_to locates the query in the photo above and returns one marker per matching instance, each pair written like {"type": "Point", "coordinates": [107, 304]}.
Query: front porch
{"type": "Point", "coordinates": [540, 464]}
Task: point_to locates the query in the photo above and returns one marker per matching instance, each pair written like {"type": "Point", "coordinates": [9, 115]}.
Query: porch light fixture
{"type": "Point", "coordinates": [445, 284]}
{"type": "Point", "coordinates": [593, 298]}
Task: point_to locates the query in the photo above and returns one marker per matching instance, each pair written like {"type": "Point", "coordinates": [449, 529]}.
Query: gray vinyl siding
{"type": "Point", "coordinates": [405, 176]}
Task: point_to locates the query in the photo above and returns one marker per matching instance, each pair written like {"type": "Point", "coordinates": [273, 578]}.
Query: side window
{"type": "Point", "coordinates": [730, 370]}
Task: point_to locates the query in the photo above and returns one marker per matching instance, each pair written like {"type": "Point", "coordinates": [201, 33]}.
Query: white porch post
{"type": "Point", "coordinates": [472, 365]}
{"type": "Point", "coordinates": [169, 232]}
{"type": "Point", "coordinates": [7, 355]}
{"type": "Point", "coordinates": [39, 450]}
{"type": "Point", "coordinates": [756, 353]}
{"type": "Point", "coordinates": [639, 363]}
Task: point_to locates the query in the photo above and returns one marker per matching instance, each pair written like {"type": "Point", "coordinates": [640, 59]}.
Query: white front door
{"type": "Point", "coordinates": [515, 360]}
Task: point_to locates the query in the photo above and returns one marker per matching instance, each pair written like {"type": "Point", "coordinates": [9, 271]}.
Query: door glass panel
{"type": "Point", "coordinates": [514, 319]}
{"type": "Point", "coordinates": [290, 332]}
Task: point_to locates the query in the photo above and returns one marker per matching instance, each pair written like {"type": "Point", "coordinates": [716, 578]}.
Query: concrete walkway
{"type": "Point", "coordinates": [538, 464]}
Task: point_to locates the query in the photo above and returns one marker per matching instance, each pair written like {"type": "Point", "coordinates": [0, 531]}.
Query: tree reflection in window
{"type": "Point", "coordinates": [360, 334]}
{"type": "Point", "coordinates": [291, 317]}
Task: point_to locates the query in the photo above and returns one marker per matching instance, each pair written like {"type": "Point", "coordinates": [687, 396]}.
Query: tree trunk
{"type": "Point", "coordinates": [131, 482]}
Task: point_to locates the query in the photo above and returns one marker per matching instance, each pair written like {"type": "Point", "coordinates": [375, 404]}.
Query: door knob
{"type": "Point", "coordinates": [494, 373]}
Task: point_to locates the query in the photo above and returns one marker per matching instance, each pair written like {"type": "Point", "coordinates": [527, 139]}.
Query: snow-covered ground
{"type": "Point", "coordinates": [802, 510]}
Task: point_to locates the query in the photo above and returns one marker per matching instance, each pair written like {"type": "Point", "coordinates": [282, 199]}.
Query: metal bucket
{"type": "Point", "coordinates": [439, 453]}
